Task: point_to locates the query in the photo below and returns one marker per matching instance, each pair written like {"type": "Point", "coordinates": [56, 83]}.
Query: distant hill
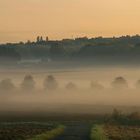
{"type": "Point", "coordinates": [125, 49]}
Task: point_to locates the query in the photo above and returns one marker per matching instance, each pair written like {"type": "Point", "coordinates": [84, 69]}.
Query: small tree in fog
{"type": "Point", "coordinates": [96, 85]}
{"type": "Point", "coordinates": [119, 83]}
{"type": "Point", "coordinates": [50, 83]}
{"type": "Point", "coordinates": [7, 84]}
{"type": "Point", "coordinates": [116, 114]}
{"type": "Point", "coordinates": [28, 83]}
{"type": "Point", "coordinates": [137, 85]}
{"type": "Point", "coordinates": [71, 86]}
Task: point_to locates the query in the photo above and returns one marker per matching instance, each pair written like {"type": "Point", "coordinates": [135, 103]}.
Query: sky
{"type": "Point", "coordinates": [22, 20]}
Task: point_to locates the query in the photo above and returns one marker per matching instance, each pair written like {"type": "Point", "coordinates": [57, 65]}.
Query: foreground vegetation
{"type": "Point", "coordinates": [48, 135]}
{"type": "Point", "coordinates": [23, 131]}
{"type": "Point", "coordinates": [97, 133]}
{"type": "Point", "coordinates": [122, 132]}
{"type": "Point", "coordinates": [117, 126]}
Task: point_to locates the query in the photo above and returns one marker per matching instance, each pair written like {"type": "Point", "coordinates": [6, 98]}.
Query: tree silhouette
{"type": "Point", "coordinates": [28, 83]}
{"type": "Point", "coordinates": [38, 39]}
{"type": "Point", "coordinates": [119, 83]}
{"type": "Point", "coordinates": [96, 85]}
{"type": "Point", "coordinates": [50, 83]}
{"type": "Point", "coordinates": [71, 86]}
{"type": "Point", "coordinates": [116, 114]}
{"type": "Point", "coordinates": [7, 85]}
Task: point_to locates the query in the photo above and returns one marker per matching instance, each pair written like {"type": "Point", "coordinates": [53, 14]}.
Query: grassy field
{"type": "Point", "coordinates": [97, 133]}
{"type": "Point", "coordinates": [49, 135]}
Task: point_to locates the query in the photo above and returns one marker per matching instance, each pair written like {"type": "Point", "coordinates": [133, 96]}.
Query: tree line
{"type": "Point", "coordinates": [50, 83]}
{"type": "Point", "coordinates": [121, 48]}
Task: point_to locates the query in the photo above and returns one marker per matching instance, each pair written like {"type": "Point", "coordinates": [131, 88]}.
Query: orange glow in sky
{"type": "Point", "coordinates": [25, 19]}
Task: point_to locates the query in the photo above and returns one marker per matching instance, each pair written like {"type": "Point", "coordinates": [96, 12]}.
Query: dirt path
{"type": "Point", "coordinates": [76, 131]}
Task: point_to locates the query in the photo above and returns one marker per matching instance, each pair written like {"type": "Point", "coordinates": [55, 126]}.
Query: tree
{"type": "Point", "coordinates": [50, 83]}
{"type": "Point", "coordinates": [116, 114]}
{"type": "Point", "coordinates": [56, 50]}
{"type": "Point", "coordinates": [71, 86]}
{"type": "Point", "coordinates": [7, 85]}
{"type": "Point", "coordinates": [96, 85]}
{"type": "Point", "coordinates": [28, 83]}
{"type": "Point", "coordinates": [8, 54]}
{"type": "Point", "coordinates": [119, 83]}
{"type": "Point", "coordinates": [38, 39]}
{"type": "Point", "coordinates": [41, 39]}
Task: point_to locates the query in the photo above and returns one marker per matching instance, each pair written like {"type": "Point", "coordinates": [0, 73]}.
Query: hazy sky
{"type": "Point", "coordinates": [25, 19]}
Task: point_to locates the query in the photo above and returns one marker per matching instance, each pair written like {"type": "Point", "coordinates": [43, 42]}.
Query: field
{"type": "Point", "coordinates": [68, 130]}
{"type": "Point", "coordinates": [122, 132]}
{"type": "Point", "coordinates": [23, 131]}
{"type": "Point", "coordinates": [45, 131]}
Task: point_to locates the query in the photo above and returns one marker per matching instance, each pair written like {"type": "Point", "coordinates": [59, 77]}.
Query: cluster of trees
{"type": "Point", "coordinates": [28, 84]}
{"type": "Point", "coordinates": [123, 47]}
{"type": "Point", "coordinates": [9, 53]}
{"type": "Point", "coordinates": [130, 118]}
{"type": "Point", "coordinates": [50, 83]}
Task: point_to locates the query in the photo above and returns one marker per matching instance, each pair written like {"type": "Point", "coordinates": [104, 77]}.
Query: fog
{"type": "Point", "coordinates": [79, 90]}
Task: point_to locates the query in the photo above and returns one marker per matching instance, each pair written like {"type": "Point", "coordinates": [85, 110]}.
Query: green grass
{"type": "Point", "coordinates": [49, 135]}
{"type": "Point", "coordinates": [97, 133]}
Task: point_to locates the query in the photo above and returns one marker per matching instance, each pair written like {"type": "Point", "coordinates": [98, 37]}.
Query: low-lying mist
{"type": "Point", "coordinates": [88, 90]}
